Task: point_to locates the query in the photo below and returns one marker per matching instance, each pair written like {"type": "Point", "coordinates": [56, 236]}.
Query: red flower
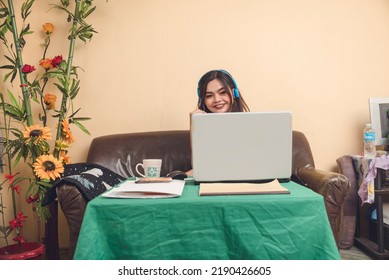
{"type": "Point", "coordinates": [18, 221]}
{"type": "Point", "coordinates": [32, 199]}
{"type": "Point", "coordinates": [16, 189]}
{"type": "Point", "coordinates": [28, 69]}
{"type": "Point", "coordinates": [19, 238]}
{"type": "Point", "coordinates": [10, 178]}
{"type": "Point", "coordinates": [21, 217]}
{"type": "Point", "coordinates": [13, 223]}
{"type": "Point", "coordinates": [56, 61]}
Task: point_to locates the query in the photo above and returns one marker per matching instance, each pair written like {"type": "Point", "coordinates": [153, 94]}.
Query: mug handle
{"type": "Point", "coordinates": [136, 168]}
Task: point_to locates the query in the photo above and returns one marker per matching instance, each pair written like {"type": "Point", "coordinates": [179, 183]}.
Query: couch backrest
{"type": "Point", "coordinates": [301, 152]}
{"type": "Point", "coordinates": [121, 152]}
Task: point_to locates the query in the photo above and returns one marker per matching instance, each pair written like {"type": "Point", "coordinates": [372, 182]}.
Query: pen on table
{"type": "Point", "coordinates": [153, 180]}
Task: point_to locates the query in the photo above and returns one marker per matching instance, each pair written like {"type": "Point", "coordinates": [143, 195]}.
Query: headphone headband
{"type": "Point", "coordinates": [235, 90]}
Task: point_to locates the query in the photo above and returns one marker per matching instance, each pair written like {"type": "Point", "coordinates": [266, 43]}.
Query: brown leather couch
{"type": "Point", "coordinates": [121, 152]}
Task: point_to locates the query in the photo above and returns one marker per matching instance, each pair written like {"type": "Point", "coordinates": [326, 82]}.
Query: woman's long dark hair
{"type": "Point", "coordinates": [239, 105]}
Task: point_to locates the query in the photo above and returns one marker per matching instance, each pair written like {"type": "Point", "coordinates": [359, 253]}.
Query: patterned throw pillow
{"type": "Point", "coordinates": [90, 179]}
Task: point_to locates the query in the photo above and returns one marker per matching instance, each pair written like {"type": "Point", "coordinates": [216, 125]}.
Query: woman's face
{"type": "Point", "coordinates": [217, 99]}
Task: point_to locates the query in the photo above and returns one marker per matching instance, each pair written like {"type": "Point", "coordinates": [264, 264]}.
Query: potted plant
{"type": "Point", "coordinates": [27, 138]}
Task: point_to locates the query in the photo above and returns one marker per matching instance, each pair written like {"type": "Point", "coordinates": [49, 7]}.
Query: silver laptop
{"type": "Point", "coordinates": [242, 147]}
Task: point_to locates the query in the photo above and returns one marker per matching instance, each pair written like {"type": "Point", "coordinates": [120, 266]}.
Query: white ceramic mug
{"type": "Point", "coordinates": [151, 167]}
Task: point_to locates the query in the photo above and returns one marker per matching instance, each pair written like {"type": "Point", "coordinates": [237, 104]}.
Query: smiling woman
{"type": "Point", "coordinates": [218, 92]}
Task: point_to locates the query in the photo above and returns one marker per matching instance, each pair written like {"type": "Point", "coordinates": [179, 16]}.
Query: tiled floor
{"type": "Point", "coordinates": [63, 254]}
{"type": "Point", "coordinates": [353, 254]}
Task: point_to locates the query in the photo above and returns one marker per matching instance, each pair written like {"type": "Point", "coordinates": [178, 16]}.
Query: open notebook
{"type": "Point", "coordinates": [272, 187]}
{"type": "Point", "coordinates": [130, 189]}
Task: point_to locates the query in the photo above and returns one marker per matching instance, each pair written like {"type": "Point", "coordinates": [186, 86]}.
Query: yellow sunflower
{"type": "Point", "coordinates": [48, 167]}
{"type": "Point", "coordinates": [37, 132]}
{"type": "Point", "coordinates": [67, 135]}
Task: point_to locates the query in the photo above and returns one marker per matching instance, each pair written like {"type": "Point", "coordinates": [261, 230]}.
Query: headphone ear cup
{"type": "Point", "coordinates": [235, 92]}
{"type": "Point", "coordinates": [201, 105]}
{"type": "Point", "coordinates": [201, 102]}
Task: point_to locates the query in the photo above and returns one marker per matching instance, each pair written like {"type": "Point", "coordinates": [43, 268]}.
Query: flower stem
{"type": "Point", "coordinates": [9, 166]}
{"type": "Point", "coordinates": [47, 44]}
{"type": "Point", "coordinates": [68, 72]}
{"type": "Point", "coordinates": [2, 217]}
{"type": "Point", "coordinates": [19, 64]}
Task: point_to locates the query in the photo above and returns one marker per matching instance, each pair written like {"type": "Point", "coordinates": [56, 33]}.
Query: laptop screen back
{"type": "Point", "coordinates": [242, 147]}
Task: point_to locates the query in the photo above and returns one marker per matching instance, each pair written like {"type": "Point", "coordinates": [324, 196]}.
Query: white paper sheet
{"type": "Point", "coordinates": [130, 189]}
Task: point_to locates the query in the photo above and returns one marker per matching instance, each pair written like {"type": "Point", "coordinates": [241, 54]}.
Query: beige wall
{"type": "Point", "coordinates": [319, 59]}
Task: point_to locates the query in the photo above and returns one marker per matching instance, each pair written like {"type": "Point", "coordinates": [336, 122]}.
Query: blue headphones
{"type": "Point", "coordinates": [235, 90]}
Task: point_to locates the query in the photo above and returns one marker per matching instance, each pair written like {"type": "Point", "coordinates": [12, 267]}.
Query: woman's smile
{"type": "Point", "coordinates": [219, 106]}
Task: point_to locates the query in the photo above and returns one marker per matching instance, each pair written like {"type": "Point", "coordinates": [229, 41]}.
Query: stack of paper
{"type": "Point", "coordinates": [130, 189]}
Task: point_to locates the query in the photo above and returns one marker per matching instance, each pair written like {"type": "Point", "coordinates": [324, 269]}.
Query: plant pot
{"type": "Point", "coordinates": [30, 251]}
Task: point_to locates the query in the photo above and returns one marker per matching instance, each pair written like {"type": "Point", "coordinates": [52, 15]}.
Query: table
{"type": "Point", "coordinates": [291, 226]}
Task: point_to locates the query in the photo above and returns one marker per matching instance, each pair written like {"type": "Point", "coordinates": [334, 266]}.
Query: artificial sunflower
{"type": "Point", "coordinates": [67, 135]}
{"type": "Point", "coordinates": [48, 167]}
{"type": "Point", "coordinates": [37, 132]}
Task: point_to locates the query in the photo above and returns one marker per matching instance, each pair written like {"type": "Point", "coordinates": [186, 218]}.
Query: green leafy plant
{"type": "Point", "coordinates": [26, 136]}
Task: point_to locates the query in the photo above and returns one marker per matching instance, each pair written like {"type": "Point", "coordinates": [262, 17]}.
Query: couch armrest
{"type": "Point", "coordinates": [73, 205]}
{"type": "Point", "coordinates": [351, 202]}
{"type": "Point", "coordinates": [333, 187]}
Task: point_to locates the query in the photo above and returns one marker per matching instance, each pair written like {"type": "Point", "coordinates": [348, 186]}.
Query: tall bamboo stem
{"type": "Point", "coordinates": [19, 64]}
{"type": "Point", "coordinates": [68, 72]}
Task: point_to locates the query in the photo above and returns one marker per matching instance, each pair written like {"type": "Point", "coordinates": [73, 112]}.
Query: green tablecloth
{"type": "Point", "coordinates": [284, 226]}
